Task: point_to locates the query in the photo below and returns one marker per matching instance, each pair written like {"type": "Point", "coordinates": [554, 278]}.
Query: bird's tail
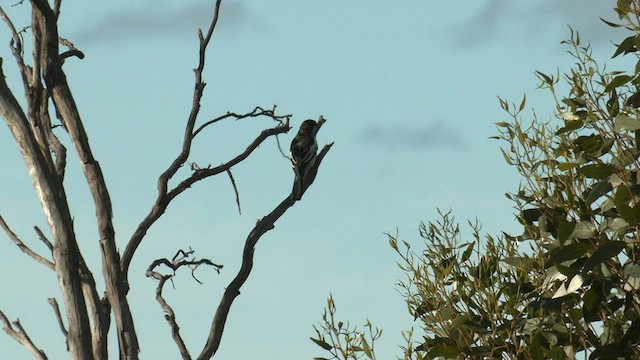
{"type": "Point", "coordinates": [296, 192]}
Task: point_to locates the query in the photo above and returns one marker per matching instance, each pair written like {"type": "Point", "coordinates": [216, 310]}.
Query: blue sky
{"type": "Point", "coordinates": [409, 89]}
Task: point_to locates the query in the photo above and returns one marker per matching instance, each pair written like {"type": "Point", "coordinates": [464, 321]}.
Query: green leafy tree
{"type": "Point", "coordinates": [568, 284]}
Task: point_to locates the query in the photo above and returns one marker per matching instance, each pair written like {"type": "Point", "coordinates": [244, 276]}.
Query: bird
{"type": "Point", "coordinates": [303, 155]}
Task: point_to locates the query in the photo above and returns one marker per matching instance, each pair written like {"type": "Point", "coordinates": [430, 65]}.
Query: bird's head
{"type": "Point", "coordinates": [308, 126]}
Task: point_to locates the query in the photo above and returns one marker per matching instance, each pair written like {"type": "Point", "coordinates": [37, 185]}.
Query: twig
{"type": "Point", "coordinates": [56, 310]}
{"type": "Point", "coordinates": [43, 238]}
{"type": "Point", "coordinates": [73, 51]}
{"type": "Point", "coordinates": [56, 8]}
{"type": "Point", "coordinates": [17, 49]}
{"type": "Point", "coordinates": [181, 258]}
{"type": "Point", "coordinates": [19, 335]}
{"type": "Point", "coordinates": [256, 112]}
{"type": "Point", "coordinates": [25, 249]}
{"type": "Point", "coordinates": [235, 189]}
{"type": "Point", "coordinates": [280, 149]}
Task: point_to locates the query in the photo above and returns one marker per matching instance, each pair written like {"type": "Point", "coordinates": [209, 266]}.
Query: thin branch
{"type": "Point", "coordinates": [195, 106]}
{"type": "Point", "coordinates": [162, 201]}
{"type": "Point", "coordinates": [56, 8]}
{"type": "Point", "coordinates": [43, 238]}
{"type": "Point", "coordinates": [18, 50]}
{"type": "Point", "coordinates": [19, 335]}
{"type": "Point", "coordinates": [235, 189]}
{"type": "Point", "coordinates": [181, 258]}
{"type": "Point", "coordinates": [24, 248]}
{"type": "Point", "coordinates": [56, 310]}
{"type": "Point", "coordinates": [280, 149]}
{"type": "Point", "coordinates": [165, 198]}
{"type": "Point", "coordinates": [233, 290]}
{"type": "Point", "coordinates": [73, 51]}
{"type": "Point", "coordinates": [256, 112]}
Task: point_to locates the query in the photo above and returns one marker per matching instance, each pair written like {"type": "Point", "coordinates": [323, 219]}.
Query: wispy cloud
{"type": "Point", "coordinates": [533, 19]}
{"type": "Point", "coordinates": [160, 21]}
{"type": "Point", "coordinates": [430, 135]}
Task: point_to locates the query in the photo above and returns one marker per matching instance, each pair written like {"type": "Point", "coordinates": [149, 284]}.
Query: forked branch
{"type": "Point", "coordinates": [16, 331]}
{"type": "Point", "coordinates": [181, 258]}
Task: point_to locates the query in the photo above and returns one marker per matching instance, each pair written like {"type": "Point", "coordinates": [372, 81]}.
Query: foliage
{"type": "Point", "coordinates": [342, 340]}
{"type": "Point", "coordinates": [568, 284]}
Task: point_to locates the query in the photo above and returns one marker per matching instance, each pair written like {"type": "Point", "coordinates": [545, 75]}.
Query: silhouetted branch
{"type": "Point", "coordinates": [256, 112]}
{"type": "Point", "coordinates": [235, 189]}
{"type": "Point", "coordinates": [233, 290]}
{"type": "Point", "coordinates": [180, 259]}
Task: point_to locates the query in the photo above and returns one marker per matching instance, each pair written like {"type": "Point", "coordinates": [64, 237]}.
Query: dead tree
{"type": "Point", "coordinates": [87, 315]}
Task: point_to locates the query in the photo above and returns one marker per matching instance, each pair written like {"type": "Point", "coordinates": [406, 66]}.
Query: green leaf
{"type": "Point", "coordinates": [604, 252]}
{"type": "Point", "coordinates": [445, 351]}
{"type": "Point", "coordinates": [459, 321]}
{"type": "Point", "coordinates": [523, 103]}
{"type": "Point", "coordinates": [565, 229]}
{"type": "Point", "coordinates": [570, 126]}
{"type": "Point", "coordinates": [547, 79]}
{"type": "Point", "coordinates": [321, 343]}
{"type": "Point", "coordinates": [570, 252]}
{"type": "Point", "coordinates": [467, 252]}
{"type": "Point", "coordinates": [618, 81]}
{"type": "Point", "coordinates": [537, 352]}
{"type": "Point", "coordinates": [567, 166]}
{"type": "Point", "coordinates": [366, 349]}
{"type": "Point", "coordinates": [626, 46]}
{"type": "Point", "coordinates": [531, 215]}
{"type": "Point", "coordinates": [519, 262]}
{"type": "Point", "coordinates": [601, 188]}
{"type": "Point", "coordinates": [597, 171]}
{"type": "Point", "coordinates": [583, 230]}
{"type": "Point", "coordinates": [621, 200]}
{"type": "Point", "coordinates": [611, 24]}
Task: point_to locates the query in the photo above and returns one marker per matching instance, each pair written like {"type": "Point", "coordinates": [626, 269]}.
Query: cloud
{"type": "Point", "coordinates": [160, 21]}
{"type": "Point", "coordinates": [431, 135]}
{"type": "Point", "coordinates": [536, 19]}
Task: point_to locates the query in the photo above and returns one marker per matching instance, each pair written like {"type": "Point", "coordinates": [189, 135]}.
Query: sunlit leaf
{"type": "Point", "coordinates": [583, 230]}
{"type": "Point", "coordinates": [625, 122]}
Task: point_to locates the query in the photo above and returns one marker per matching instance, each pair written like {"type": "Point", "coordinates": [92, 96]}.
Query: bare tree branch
{"type": "Point", "coordinates": [233, 290]}
{"type": "Point", "coordinates": [19, 335]}
{"type": "Point", "coordinates": [235, 189]}
{"type": "Point", "coordinates": [44, 23]}
{"type": "Point", "coordinates": [43, 238]}
{"type": "Point", "coordinates": [25, 249]}
{"type": "Point", "coordinates": [53, 200]}
{"type": "Point", "coordinates": [256, 112]}
{"type": "Point", "coordinates": [18, 50]}
{"type": "Point", "coordinates": [56, 310]}
{"type": "Point", "coordinates": [72, 50]}
{"type": "Point", "coordinates": [181, 259]}
{"type": "Point", "coordinates": [164, 199]}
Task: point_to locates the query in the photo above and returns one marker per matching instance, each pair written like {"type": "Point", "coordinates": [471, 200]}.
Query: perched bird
{"type": "Point", "coordinates": [303, 155]}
